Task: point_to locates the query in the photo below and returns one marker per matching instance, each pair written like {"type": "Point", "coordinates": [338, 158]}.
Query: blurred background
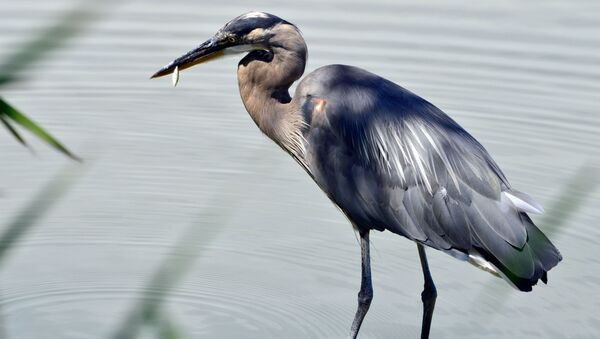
{"type": "Point", "coordinates": [183, 221]}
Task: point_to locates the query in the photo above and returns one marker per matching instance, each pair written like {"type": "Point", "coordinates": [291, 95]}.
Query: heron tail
{"type": "Point", "coordinates": [544, 256]}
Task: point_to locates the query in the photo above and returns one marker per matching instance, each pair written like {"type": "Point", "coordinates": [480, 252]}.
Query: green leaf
{"type": "Point", "coordinates": [13, 131]}
{"type": "Point", "coordinates": [9, 112]}
{"type": "Point", "coordinates": [47, 40]}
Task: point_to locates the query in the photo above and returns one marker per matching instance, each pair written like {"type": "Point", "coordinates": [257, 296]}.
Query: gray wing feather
{"type": "Point", "coordinates": [415, 171]}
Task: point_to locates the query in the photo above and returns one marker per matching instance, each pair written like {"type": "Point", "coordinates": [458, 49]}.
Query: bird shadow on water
{"type": "Point", "coordinates": [571, 197]}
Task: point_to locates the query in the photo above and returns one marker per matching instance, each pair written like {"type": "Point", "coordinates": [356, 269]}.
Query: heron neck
{"type": "Point", "coordinates": [268, 107]}
{"type": "Point", "coordinates": [264, 80]}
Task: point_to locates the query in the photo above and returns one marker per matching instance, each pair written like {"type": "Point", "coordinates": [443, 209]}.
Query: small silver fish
{"type": "Point", "coordinates": [175, 76]}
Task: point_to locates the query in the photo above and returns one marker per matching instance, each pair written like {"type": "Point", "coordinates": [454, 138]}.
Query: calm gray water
{"type": "Point", "coordinates": [276, 259]}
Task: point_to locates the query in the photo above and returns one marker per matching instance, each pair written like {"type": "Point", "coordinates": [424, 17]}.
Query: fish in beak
{"type": "Point", "coordinates": [207, 51]}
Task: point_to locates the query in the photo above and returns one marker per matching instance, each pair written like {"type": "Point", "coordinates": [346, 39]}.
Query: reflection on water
{"type": "Point", "coordinates": [522, 77]}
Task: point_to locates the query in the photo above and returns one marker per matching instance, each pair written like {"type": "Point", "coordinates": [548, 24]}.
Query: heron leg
{"type": "Point", "coordinates": [365, 295]}
{"type": "Point", "coordinates": [428, 295]}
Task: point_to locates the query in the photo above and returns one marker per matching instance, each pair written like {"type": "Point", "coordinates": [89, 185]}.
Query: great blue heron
{"type": "Point", "coordinates": [387, 158]}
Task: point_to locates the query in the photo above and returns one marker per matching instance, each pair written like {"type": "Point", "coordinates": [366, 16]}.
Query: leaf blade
{"type": "Point", "coordinates": [8, 111]}
{"type": "Point", "coordinates": [13, 131]}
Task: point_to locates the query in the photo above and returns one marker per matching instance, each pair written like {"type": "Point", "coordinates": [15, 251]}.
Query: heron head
{"type": "Point", "coordinates": [247, 32]}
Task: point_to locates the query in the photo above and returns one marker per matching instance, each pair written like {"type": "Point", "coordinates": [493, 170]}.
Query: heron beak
{"type": "Point", "coordinates": [207, 51]}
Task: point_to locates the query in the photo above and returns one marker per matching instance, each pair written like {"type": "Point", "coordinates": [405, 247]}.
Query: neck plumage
{"type": "Point", "coordinates": [264, 79]}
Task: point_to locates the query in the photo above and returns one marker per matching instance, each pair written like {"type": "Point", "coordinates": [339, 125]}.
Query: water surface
{"type": "Point", "coordinates": [522, 77]}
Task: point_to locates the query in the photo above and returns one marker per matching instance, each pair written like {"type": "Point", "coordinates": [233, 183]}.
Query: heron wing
{"type": "Point", "coordinates": [391, 160]}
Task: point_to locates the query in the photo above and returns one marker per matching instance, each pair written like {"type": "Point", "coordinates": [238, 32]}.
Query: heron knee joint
{"type": "Point", "coordinates": [429, 293]}
{"type": "Point", "coordinates": [365, 297]}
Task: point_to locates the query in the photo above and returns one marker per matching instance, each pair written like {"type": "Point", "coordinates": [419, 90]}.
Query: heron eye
{"type": "Point", "coordinates": [231, 39]}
